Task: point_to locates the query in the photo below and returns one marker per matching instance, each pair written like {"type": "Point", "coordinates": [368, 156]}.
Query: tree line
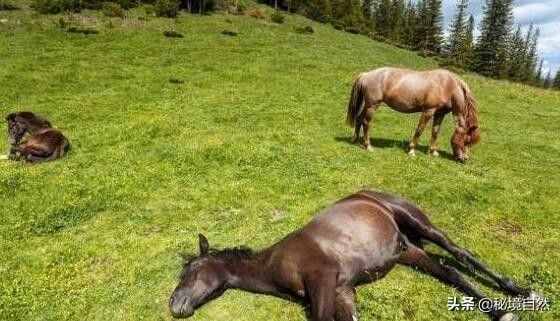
{"type": "Point", "coordinates": [501, 50]}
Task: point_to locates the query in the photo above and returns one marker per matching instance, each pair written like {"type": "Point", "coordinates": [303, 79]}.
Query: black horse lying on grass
{"type": "Point", "coordinates": [356, 241]}
{"type": "Point", "coordinates": [33, 139]}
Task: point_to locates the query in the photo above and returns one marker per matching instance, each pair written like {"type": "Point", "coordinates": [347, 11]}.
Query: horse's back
{"type": "Point", "coordinates": [360, 234]}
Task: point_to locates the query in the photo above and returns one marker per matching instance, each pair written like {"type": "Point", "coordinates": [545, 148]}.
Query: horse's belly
{"type": "Point", "coordinates": [373, 274]}
{"type": "Point", "coordinates": [403, 105]}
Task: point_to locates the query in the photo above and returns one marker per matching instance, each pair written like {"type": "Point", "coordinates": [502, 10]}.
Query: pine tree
{"type": "Point", "coordinates": [434, 33]}
{"type": "Point", "coordinates": [492, 49]}
{"type": "Point", "coordinates": [469, 43]}
{"type": "Point", "coordinates": [556, 83]}
{"type": "Point", "coordinates": [397, 18]}
{"type": "Point", "coordinates": [457, 33]}
{"type": "Point", "coordinates": [382, 18]}
{"type": "Point", "coordinates": [530, 48]}
{"type": "Point", "coordinates": [517, 55]}
{"type": "Point", "coordinates": [410, 20]}
{"type": "Point", "coordinates": [538, 77]}
{"type": "Point", "coordinates": [548, 80]}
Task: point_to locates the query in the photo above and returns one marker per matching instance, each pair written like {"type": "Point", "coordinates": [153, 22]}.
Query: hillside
{"type": "Point", "coordinates": [246, 150]}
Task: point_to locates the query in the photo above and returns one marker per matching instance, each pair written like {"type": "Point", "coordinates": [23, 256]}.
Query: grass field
{"type": "Point", "coordinates": [247, 149]}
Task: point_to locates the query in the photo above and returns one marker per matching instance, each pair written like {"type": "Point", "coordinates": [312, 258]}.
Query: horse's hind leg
{"type": "Point", "coordinates": [424, 119]}
{"type": "Point", "coordinates": [358, 128]}
{"type": "Point", "coordinates": [436, 126]}
{"type": "Point", "coordinates": [431, 233]}
{"type": "Point", "coordinates": [417, 258]}
{"type": "Point", "coordinates": [345, 304]}
{"type": "Point", "coordinates": [366, 124]}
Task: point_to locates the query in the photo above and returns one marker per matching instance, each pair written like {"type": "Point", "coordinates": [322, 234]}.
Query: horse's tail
{"type": "Point", "coordinates": [470, 112]}
{"type": "Point", "coordinates": [356, 102]}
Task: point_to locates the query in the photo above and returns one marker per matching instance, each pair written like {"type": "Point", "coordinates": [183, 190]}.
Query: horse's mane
{"type": "Point", "coordinates": [241, 252]}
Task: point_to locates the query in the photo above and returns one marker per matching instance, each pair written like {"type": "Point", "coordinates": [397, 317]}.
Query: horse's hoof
{"type": "Point", "coordinates": [368, 148]}
{"type": "Point", "coordinates": [509, 317]}
{"type": "Point", "coordinates": [412, 152]}
{"type": "Point", "coordinates": [434, 153]}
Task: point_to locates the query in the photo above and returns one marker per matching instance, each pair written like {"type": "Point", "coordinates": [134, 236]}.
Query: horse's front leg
{"type": "Point", "coordinates": [424, 119]}
{"type": "Point", "coordinates": [14, 153]}
{"type": "Point", "coordinates": [436, 126]}
{"type": "Point", "coordinates": [321, 290]}
{"type": "Point", "coordinates": [345, 304]}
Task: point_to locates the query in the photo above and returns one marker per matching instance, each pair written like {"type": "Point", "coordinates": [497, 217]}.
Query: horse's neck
{"type": "Point", "coordinates": [250, 274]}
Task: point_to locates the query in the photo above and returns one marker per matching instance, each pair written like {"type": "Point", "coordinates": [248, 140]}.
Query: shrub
{"type": "Point", "coordinates": [126, 4]}
{"type": "Point", "coordinates": [256, 13]}
{"type": "Point", "coordinates": [305, 30]}
{"type": "Point", "coordinates": [149, 9]}
{"type": "Point", "coordinates": [166, 8]}
{"type": "Point", "coordinates": [230, 33]}
{"type": "Point", "coordinates": [6, 5]}
{"type": "Point", "coordinates": [337, 25]}
{"type": "Point", "coordinates": [237, 7]}
{"type": "Point", "coordinates": [277, 17]}
{"type": "Point", "coordinates": [172, 34]}
{"type": "Point", "coordinates": [353, 29]}
{"type": "Point", "coordinates": [56, 6]}
{"type": "Point", "coordinates": [85, 31]}
{"type": "Point", "coordinates": [111, 9]}
{"type": "Point", "coordinates": [176, 81]}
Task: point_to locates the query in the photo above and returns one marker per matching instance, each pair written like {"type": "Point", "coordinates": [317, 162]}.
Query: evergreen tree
{"type": "Point", "coordinates": [469, 43]}
{"type": "Point", "coordinates": [422, 22]}
{"type": "Point", "coordinates": [517, 55]}
{"type": "Point", "coordinates": [548, 80]}
{"type": "Point", "coordinates": [382, 18]}
{"type": "Point", "coordinates": [538, 77]}
{"type": "Point", "coordinates": [492, 49]}
{"type": "Point", "coordinates": [434, 33]}
{"type": "Point", "coordinates": [410, 20]}
{"type": "Point", "coordinates": [556, 83]}
{"type": "Point", "coordinates": [397, 19]}
{"type": "Point", "coordinates": [454, 46]}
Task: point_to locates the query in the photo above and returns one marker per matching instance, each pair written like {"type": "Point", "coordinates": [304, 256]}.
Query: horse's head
{"type": "Point", "coordinates": [203, 278]}
{"type": "Point", "coordinates": [463, 139]}
{"type": "Point", "coordinates": [473, 136]}
{"type": "Point", "coordinates": [16, 130]}
{"type": "Point", "coordinates": [24, 122]}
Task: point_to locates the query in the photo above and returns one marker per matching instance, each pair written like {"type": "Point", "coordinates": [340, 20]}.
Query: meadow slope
{"type": "Point", "coordinates": [247, 149]}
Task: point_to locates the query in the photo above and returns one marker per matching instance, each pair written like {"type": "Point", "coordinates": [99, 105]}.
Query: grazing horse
{"type": "Point", "coordinates": [434, 93]}
{"type": "Point", "coordinates": [43, 143]}
{"type": "Point", "coordinates": [356, 241]}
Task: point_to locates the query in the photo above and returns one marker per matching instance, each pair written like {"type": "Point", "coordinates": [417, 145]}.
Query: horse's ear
{"type": "Point", "coordinates": [11, 117]}
{"type": "Point", "coordinates": [203, 244]}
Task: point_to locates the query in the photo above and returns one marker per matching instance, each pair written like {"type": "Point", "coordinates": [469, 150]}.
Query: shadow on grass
{"type": "Point", "coordinates": [394, 143]}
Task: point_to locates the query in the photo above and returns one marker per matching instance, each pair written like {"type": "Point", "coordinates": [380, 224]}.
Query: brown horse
{"type": "Point", "coordinates": [433, 93]}
{"type": "Point", "coordinates": [43, 143]}
{"type": "Point", "coordinates": [356, 241]}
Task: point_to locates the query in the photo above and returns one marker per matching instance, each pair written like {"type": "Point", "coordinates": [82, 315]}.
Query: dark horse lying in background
{"type": "Point", "coordinates": [33, 139]}
{"type": "Point", "coordinates": [433, 93]}
{"type": "Point", "coordinates": [357, 240]}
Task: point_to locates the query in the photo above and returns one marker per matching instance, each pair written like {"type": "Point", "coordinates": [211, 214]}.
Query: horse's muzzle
{"type": "Point", "coordinates": [180, 307]}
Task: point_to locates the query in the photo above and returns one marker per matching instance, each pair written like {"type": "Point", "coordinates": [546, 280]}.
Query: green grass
{"type": "Point", "coordinates": [247, 149]}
